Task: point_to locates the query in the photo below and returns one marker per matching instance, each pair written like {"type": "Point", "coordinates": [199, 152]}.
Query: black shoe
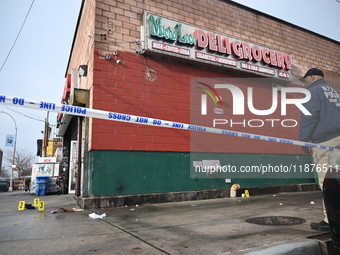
{"type": "Point", "coordinates": [29, 206]}
{"type": "Point", "coordinates": [322, 226]}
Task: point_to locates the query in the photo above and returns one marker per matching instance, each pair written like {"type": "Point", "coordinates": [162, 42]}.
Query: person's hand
{"type": "Point", "coordinates": [306, 150]}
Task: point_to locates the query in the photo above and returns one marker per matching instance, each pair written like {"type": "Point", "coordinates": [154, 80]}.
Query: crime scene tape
{"type": "Point", "coordinates": [122, 117]}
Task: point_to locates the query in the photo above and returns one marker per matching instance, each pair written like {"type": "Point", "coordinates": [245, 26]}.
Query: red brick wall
{"type": "Point", "coordinates": [125, 88]}
{"type": "Point", "coordinates": [159, 88]}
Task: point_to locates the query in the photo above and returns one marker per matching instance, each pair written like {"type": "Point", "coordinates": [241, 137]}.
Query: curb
{"type": "Point", "coordinates": [123, 200]}
{"type": "Point", "coordinates": [310, 247]}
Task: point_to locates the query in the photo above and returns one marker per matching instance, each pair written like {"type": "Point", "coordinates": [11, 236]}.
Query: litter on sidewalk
{"type": "Point", "coordinates": [72, 209]}
{"type": "Point", "coordinates": [97, 216]}
{"type": "Point", "coordinates": [67, 210]}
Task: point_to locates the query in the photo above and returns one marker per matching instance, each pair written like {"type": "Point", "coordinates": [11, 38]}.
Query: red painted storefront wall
{"type": "Point", "coordinates": [156, 88]}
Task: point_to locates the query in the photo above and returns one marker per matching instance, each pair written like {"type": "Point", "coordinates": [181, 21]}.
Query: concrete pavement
{"type": "Point", "coordinates": [216, 226]}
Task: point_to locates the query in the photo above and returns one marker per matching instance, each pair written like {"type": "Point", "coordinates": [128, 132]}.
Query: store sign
{"type": "Point", "coordinates": [47, 159]}
{"type": "Point", "coordinates": [165, 36]}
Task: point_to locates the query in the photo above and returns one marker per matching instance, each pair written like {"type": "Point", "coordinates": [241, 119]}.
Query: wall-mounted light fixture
{"type": "Point", "coordinates": [82, 70]}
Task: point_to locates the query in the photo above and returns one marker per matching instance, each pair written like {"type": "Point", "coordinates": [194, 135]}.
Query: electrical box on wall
{"type": "Point", "coordinates": [79, 97]}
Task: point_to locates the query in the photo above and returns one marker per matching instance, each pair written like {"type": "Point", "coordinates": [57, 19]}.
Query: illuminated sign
{"type": "Point", "coordinates": [166, 36]}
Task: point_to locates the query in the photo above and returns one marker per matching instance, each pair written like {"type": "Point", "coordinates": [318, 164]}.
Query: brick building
{"type": "Point", "coordinates": [147, 58]}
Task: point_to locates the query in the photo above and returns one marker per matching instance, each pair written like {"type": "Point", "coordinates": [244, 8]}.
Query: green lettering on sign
{"type": "Point", "coordinates": [156, 29]}
{"type": "Point", "coordinates": [169, 33]}
{"type": "Point", "coordinates": [187, 39]}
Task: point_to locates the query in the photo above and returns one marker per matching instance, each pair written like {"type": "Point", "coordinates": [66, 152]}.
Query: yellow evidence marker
{"type": "Point", "coordinates": [36, 202]}
{"type": "Point", "coordinates": [21, 205]}
{"type": "Point", "coordinates": [41, 206]}
{"type": "Point", "coordinates": [246, 193]}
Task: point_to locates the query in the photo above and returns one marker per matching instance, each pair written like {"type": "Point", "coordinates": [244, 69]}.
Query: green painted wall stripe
{"type": "Point", "coordinates": [135, 172]}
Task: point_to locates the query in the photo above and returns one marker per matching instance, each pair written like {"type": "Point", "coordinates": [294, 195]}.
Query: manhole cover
{"type": "Point", "coordinates": [276, 220]}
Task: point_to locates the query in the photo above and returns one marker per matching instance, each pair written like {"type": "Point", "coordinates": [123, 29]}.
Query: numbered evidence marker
{"type": "Point", "coordinates": [246, 193]}
{"type": "Point", "coordinates": [36, 202]}
{"type": "Point", "coordinates": [41, 206]}
{"type": "Point", "coordinates": [21, 206]}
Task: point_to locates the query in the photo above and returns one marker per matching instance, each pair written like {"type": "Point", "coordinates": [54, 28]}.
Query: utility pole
{"type": "Point", "coordinates": [46, 135]}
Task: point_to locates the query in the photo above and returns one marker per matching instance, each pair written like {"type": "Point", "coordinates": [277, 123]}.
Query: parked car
{"type": "Point", "coordinates": [4, 185]}
{"type": "Point", "coordinates": [331, 195]}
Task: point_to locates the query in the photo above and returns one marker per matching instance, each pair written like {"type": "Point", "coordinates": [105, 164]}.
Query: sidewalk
{"type": "Point", "coordinates": [216, 226]}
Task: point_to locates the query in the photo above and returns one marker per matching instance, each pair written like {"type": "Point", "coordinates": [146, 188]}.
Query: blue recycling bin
{"type": "Point", "coordinates": [41, 185]}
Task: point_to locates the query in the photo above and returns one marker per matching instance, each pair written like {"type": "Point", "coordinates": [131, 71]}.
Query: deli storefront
{"type": "Point", "coordinates": [212, 73]}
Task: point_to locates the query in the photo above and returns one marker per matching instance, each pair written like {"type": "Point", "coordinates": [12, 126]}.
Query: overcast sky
{"type": "Point", "coordinates": [36, 67]}
{"type": "Point", "coordinates": [320, 16]}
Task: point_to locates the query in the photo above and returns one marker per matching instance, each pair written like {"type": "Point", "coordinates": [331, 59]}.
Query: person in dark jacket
{"type": "Point", "coordinates": [322, 126]}
{"type": "Point", "coordinates": [27, 184]}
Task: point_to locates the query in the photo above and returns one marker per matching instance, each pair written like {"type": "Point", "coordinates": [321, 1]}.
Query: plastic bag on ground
{"type": "Point", "coordinates": [97, 216]}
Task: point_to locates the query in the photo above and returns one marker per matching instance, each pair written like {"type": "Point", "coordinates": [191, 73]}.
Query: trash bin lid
{"type": "Point", "coordinates": [41, 178]}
